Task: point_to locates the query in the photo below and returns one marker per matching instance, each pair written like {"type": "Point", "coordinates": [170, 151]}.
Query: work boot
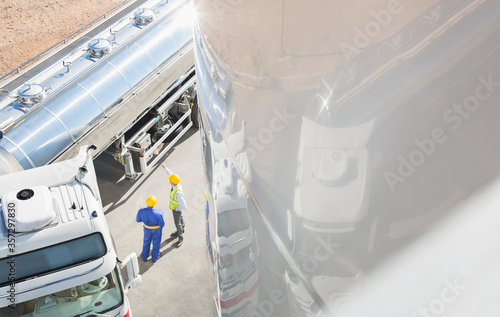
{"type": "Point", "coordinates": [158, 258]}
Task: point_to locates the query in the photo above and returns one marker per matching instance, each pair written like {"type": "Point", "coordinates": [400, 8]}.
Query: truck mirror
{"type": "Point", "coordinates": [133, 279]}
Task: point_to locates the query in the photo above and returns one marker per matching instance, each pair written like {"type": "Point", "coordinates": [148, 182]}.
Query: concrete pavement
{"type": "Point", "coordinates": [178, 283]}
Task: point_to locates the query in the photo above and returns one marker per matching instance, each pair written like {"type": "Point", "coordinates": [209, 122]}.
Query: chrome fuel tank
{"type": "Point", "coordinates": [360, 137]}
{"type": "Point", "coordinates": [96, 92]}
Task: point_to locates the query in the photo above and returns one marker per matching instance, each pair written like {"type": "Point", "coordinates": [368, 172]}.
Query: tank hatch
{"type": "Point", "coordinates": [30, 94]}
{"type": "Point", "coordinates": [29, 209]}
{"type": "Point", "coordinates": [143, 16]}
{"type": "Point", "coordinates": [99, 47]}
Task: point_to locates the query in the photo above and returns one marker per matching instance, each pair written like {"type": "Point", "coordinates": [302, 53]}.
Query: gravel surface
{"type": "Point", "coordinates": [28, 27]}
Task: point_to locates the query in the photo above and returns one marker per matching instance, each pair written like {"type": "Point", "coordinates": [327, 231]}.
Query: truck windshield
{"type": "Point", "coordinates": [236, 268]}
{"type": "Point", "coordinates": [53, 258]}
{"type": "Point", "coordinates": [232, 221]}
{"type": "Point", "coordinates": [95, 297]}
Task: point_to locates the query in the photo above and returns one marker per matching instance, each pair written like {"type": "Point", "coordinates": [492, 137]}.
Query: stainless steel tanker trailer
{"type": "Point", "coordinates": [130, 88]}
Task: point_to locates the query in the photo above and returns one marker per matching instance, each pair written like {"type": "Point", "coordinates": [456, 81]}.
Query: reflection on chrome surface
{"type": "Point", "coordinates": [347, 147]}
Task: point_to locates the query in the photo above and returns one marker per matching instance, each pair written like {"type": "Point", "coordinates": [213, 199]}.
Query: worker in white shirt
{"type": "Point", "coordinates": [177, 204]}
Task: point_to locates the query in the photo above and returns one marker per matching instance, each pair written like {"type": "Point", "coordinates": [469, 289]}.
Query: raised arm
{"type": "Point", "coordinates": [169, 172]}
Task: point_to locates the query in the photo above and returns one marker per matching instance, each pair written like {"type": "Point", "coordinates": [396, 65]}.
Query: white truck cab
{"type": "Point", "coordinates": [57, 257]}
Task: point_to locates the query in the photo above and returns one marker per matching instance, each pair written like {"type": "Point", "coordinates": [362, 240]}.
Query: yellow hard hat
{"type": "Point", "coordinates": [174, 179]}
{"type": "Point", "coordinates": [151, 201]}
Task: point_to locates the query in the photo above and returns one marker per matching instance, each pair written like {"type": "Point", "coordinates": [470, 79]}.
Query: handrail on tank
{"type": "Point", "coordinates": [62, 41]}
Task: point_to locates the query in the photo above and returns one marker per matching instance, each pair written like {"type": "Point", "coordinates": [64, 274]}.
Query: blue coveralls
{"type": "Point", "coordinates": [151, 217]}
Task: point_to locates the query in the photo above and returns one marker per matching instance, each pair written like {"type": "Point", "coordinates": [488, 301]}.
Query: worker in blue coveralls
{"type": "Point", "coordinates": [153, 224]}
{"type": "Point", "coordinates": [177, 204]}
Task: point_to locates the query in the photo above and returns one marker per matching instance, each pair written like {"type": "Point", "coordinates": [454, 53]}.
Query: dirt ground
{"type": "Point", "coordinates": [28, 27]}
